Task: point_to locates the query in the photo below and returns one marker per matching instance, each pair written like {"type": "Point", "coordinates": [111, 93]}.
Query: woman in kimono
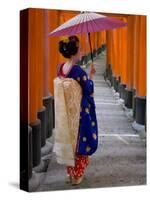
{"type": "Point", "coordinates": [87, 141]}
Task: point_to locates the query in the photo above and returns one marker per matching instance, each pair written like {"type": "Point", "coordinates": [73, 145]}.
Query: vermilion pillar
{"type": "Point", "coordinates": [130, 51]}
{"type": "Point", "coordinates": [53, 48]}
{"type": "Point", "coordinates": [25, 131]}
{"type": "Point", "coordinates": [36, 61]}
{"type": "Point", "coordinates": [36, 65]}
{"type": "Point", "coordinates": [110, 55]}
{"type": "Point", "coordinates": [141, 80]}
{"type": "Point", "coordinates": [123, 60]}
{"type": "Point", "coordinates": [130, 61]}
{"type": "Point", "coordinates": [108, 43]}
{"type": "Point", "coordinates": [140, 113]}
{"type": "Point", "coordinates": [46, 56]}
{"type": "Point", "coordinates": [123, 55]}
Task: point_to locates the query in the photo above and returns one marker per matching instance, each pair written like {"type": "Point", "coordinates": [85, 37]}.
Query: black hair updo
{"type": "Point", "coordinates": [69, 46]}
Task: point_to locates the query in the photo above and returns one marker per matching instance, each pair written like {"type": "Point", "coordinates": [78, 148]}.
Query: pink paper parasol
{"type": "Point", "coordinates": [87, 22]}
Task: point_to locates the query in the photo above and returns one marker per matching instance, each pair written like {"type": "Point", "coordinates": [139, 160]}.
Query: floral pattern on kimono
{"type": "Point", "coordinates": [88, 128]}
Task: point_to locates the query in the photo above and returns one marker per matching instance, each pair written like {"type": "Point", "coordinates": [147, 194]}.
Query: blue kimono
{"type": "Point", "coordinates": [88, 128]}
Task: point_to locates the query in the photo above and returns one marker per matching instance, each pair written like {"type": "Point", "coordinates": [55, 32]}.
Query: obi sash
{"type": "Point", "coordinates": [67, 98]}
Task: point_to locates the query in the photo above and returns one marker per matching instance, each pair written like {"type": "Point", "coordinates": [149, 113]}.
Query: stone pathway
{"type": "Point", "coordinates": [121, 156]}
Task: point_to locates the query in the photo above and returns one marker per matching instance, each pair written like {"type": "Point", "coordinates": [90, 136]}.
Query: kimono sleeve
{"type": "Point", "coordinates": [86, 84]}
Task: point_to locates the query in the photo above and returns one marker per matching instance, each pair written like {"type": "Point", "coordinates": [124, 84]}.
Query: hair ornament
{"type": "Point", "coordinates": [65, 39]}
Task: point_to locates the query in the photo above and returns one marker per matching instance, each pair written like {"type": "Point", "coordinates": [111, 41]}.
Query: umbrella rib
{"type": "Point", "coordinates": [64, 26]}
{"type": "Point", "coordinates": [87, 22]}
{"type": "Point", "coordinates": [81, 21]}
{"type": "Point", "coordinates": [94, 22]}
{"type": "Point", "coordinates": [75, 28]}
{"type": "Point", "coordinates": [87, 17]}
{"type": "Point", "coordinates": [82, 27]}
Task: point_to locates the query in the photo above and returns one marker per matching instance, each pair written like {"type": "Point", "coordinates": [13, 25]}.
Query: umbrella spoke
{"type": "Point", "coordinates": [87, 22]}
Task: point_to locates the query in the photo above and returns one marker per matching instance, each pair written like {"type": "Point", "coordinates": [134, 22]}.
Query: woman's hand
{"type": "Point", "coordinates": [92, 72]}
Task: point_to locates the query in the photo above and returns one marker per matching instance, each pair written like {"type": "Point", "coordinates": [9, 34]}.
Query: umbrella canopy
{"type": "Point", "coordinates": [86, 23]}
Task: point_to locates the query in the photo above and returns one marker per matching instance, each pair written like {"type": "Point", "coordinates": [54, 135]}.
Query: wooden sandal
{"type": "Point", "coordinates": [68, 179]}
{"type": "Point", "coordinates": [75, 181]}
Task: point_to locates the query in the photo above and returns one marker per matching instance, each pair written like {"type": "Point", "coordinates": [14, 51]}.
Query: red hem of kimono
{"type": "Point", "coordinates": [81, 162]}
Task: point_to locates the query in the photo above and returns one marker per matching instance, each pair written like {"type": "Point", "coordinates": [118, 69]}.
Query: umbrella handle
{"type": "Point", "coordinates": [90, 46]}
{"type": "Point", "coordinates": [92, 71]}
{"type": "Point", "coordinates": [93, 68]}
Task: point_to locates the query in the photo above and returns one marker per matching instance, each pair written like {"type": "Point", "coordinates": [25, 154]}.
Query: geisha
{"type": "Point", "coordinates": [86, 129]}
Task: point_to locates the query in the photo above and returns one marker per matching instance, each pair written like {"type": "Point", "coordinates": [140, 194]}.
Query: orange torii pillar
{"type": "Point", "coordinates": [98, 43]}
{"type": "Point", "coordinates": [50, 66]}
{"type": "Point", "coordinates": [113, 58]}
{"type": "Point", "coordinates": [116, 70]}
{"type": "Point", "coordinates": [25, 130]}
{"type": "Point", "coordinates": [136, 60]}
{"type": "Point", "coordinates": [31, 88]}
{"type": "Point", "coordinates": [85, 48]}
{"type": "Point", "coordinates": [123, 60]}
{"type": "Point", "coordinates": [36, 65]}
{"type": "Point", "coordinates": [101, 41]}
{"type": "Point", "coordinates": [109, 51]}
{"type": "Point", "coordinates": [130, 61]}
{"type": "Point", "coordinates": [94, 45]}
{"type": "Point", "coordinates": [53, 48]}
{"type": "Point", "coordinates": [140, 76]}
{"type": "Point", "coordinates": [84, 44]}
{"type": "Point", "coordinates": [103, 34]}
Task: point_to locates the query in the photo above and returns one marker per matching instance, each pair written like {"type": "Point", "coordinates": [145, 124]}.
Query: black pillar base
{"type": "Point", "coordinates": [134, 103]}
{"type": "Point", "coordinates": [140, 115]}
{"type": "Point", "coordinates": [94, 53]}
{"type": "Point", "coordinates": [30, 152]}
{"type": "Point", "coordinates": [78, 62]}
{"type": "Point", "coordinates": [107, 71]}
{"type": "Point", "coordinates": [34, 182]}
{"type": "Point", "coordinates": [121, 89]}
{"type": "Point", "coordinates": [25, 156]}
{"type": "Point", "coordinates": [46, 156]}
{"type": "Point", "coordinates": [99, 50]}
{"type": "Point", "coordinates": [53, 112]}
{"type": "Point", "coordinates": [115, 84]}
{"type": "Point", "coordinates": [105, 74]}
{"type": "Point", "coordinates": [109, 74]}
{"type": "Point", "coordinates": [128, 98]}
{"type": "Point", "coordinates": [84, 60]}
{"type": "Point", "coordinates": [103, 47]}
{"type": "Point", "coordinates": [36, 142]}
{"type": "Point", "coordinates": [42, 116]}
{"type": "Point", "coordinates": [88, 57]}
{"type": "Point", "coordinates": [48, 102]}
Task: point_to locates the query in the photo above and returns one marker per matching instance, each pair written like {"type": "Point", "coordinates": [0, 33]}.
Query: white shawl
{"type": "Point", "coordinates": [67, 97]}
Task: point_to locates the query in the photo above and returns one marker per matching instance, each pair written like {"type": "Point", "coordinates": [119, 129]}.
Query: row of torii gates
{"type": "Point", "coordinates": [39, 57]}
